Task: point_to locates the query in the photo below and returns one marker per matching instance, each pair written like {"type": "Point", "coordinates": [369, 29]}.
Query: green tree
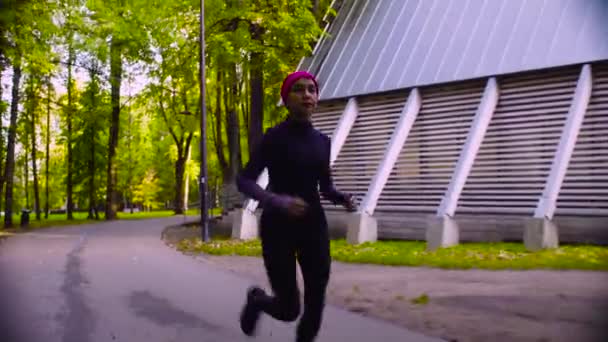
{"type": "Point", "coordinates": [29, 136]}
{"type": "Point", "coordinates": [174, 90]}
{"type": "Point", "coordinates": [125, 27]}
{"type": "Point", "coordinates": [49, 96]}
{"type": "Point", "coordinates": [26, 34]}
{"type": "Point", "coordinates": [131, 151]}
{"type": "Point", "coordinates": [89, 148]}
{"type": "Point", "coordinates": [145, 192]}
{"type": "Point", "coordinates": [251, 45]}
{"type": "Point", "coordinates": [110, 145]}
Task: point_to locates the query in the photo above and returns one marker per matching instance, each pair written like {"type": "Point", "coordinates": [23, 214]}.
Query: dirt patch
{"type": "Point", "coordinates": [174, 234]}
{"type": "Point", "coordinates": [471, 305]}
{"type": "Point", "coordinates": [6, 233]}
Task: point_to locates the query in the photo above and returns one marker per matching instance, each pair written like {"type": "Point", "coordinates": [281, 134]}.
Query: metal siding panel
{"type": "Point", "coordinates": [594, 33]}
{"type": "Point", "coordinates": [471, 55]}
{"type": "Point", "coordinates": [313, 63]}
{"type": "Point", "coordinates": [422, 42]}
{"type": "Point", "coordinates": [455, 18]}
{"type": "Point", "coordinates": [346, 53]}
{"type": "Point", "coordinates": [369, 35]}
{"type": "Point", "coordinates": [460, 38]}
{"type": "Point", "coordinates": [333, 56]}
{"type": "Point", "coordinates": [548, 24]}
{"type": "Point", "coordinates": [566, 36]}
{"type": "Point", "coordinates": [499, 39]}
{"type": "Point", "coordinates": [407, 45]}
{"type": "Point", "coordinates": [364, 70]}
{"type": "Point", "coordinates": [446, 43]}
{"type": "Point", "coordinates": [521, 36]}
{"type": "Point", "coordinates": [439, 19]}
{"type": "Point", "coordinates": [391, 47]}
{"type": "Point", "coordinates": [603, 51]}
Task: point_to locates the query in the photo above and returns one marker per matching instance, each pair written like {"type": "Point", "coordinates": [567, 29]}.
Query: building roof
{"type": "Point", "coordinates": [381, 45]}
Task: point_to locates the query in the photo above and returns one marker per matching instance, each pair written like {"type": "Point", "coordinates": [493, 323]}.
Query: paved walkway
{"type": "Point", "coordinates": [119, 282]}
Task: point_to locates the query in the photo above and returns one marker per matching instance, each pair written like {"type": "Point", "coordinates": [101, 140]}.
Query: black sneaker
{"type": "Point", "coordinates": [251, 312]}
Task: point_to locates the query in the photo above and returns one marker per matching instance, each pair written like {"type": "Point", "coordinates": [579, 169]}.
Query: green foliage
{"type": "Point", "coordinates": [122, 21]}
{"type": "Point", "coordinates": [158, 160]}
{"type": "Point", "coordinates": [147, 191]}
{"type": "Point", "coordinates": [423, 299]}
{"type": "Point", "coordinates": [161, 41]}
{"type": "Point", "coordinates": [130, 157]}
{"type": "Point", "coordinates": [90, 138]}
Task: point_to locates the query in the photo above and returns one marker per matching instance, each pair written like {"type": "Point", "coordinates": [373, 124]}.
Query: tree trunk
{"type": "Point", "coordinates": [244, 93]}
{"type": "Point", "coordinates": [233, 130]}
{"type": "Point", "coordinates": [180, 169]}
{"type": "Point", "coordinates": [34, 166]}
{"type": "Point", "coordinates": [246, 108]}
{"type": "Point", "coordinates": [116, 79]}
{"type": "Point", "coordinates": [70, 205]}
{"type": "Point", "coordinates": [48, 143]}
{"type": "Point", "coordinates": [91, 165]}
{"type": "Point", "coordinates": [179, 184]}
{"type": "Point", "coordinates": [129, 195]}
{"type": "Point", "coordinates": [241, 113]}
{"type": "Point", "coordinates": [231, 195]}
{"type": "Point", "coordinates": [10, 150]}
{"type": "Point", "coordinates": [187, 180]}
{"type": "Point", "coordinates": [26, 178]}
{"type": "Point", "coordinates": [256, 118]}
{"type": "Point", "coordinates": [219, 141]}
{"type": "Point", "coordinates": [1, 138]}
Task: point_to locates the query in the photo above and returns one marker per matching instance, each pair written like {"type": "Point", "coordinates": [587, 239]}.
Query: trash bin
{"type": "Point", "coordinates": [25, 217]}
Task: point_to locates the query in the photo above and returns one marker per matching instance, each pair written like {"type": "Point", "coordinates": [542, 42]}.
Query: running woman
{"type": "Point", "coordinates": [293, 225]}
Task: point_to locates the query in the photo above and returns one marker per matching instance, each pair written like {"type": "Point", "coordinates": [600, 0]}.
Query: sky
{"type": "Point", "coordinates": [129, 87]}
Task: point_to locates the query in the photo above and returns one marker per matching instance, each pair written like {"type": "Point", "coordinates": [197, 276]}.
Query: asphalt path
{"type": "Point", "coordinates": [118, 281]}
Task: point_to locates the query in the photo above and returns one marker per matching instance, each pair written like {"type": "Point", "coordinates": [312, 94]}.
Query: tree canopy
{"type": "Point", "coordinates": [101, 98]}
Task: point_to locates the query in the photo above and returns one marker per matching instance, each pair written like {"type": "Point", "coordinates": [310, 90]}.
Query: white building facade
{"type": "Point", "coordinates": [468, 120]}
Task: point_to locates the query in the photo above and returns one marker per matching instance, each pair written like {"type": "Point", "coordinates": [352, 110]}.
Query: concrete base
{"type": "Point", "coordinates": [244, 225]}
{"type": "Point", "coordinates": [361, 228]}
{"type": "Point", "coordinates": [441, 232]}
{"type": "Point", "coordinates": [540, 234]}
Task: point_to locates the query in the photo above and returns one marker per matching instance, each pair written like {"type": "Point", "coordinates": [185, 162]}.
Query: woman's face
{"type": "Point", "coordinates": [303, 98]}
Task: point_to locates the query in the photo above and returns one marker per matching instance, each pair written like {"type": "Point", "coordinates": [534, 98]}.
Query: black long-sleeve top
{"type": "Point", "coordinates": [297, 157]}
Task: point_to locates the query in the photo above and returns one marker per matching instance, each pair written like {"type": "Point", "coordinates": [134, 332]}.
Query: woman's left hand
{"type": "Point", "coordinates": [350, 203]}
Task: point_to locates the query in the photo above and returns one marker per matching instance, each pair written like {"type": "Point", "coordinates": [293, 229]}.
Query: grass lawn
{"type": "Point", "coordinates": [58, 220]}
{"type": "Point", "coordinates": [492, 256]}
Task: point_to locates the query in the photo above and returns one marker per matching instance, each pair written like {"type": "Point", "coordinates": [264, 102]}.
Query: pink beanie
{"type": "Point", "coordinates": [293, 78]}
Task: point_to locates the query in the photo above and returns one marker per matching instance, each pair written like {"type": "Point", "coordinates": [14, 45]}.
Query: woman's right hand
{"type": "Point", "coordinates": [297, 207]}
{"type": "Point", "coordinates": [293, 206]}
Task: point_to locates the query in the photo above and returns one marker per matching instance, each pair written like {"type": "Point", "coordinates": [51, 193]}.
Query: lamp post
{"type": "Point", "coordinates": [203, 143]}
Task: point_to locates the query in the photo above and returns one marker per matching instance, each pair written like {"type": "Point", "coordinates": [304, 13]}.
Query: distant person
{"type": "Point", "coordinates": [293, 224]}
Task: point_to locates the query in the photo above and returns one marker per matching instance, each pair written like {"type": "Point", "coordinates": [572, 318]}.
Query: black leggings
{"type": "Point", "coordinates": [280, 253]}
